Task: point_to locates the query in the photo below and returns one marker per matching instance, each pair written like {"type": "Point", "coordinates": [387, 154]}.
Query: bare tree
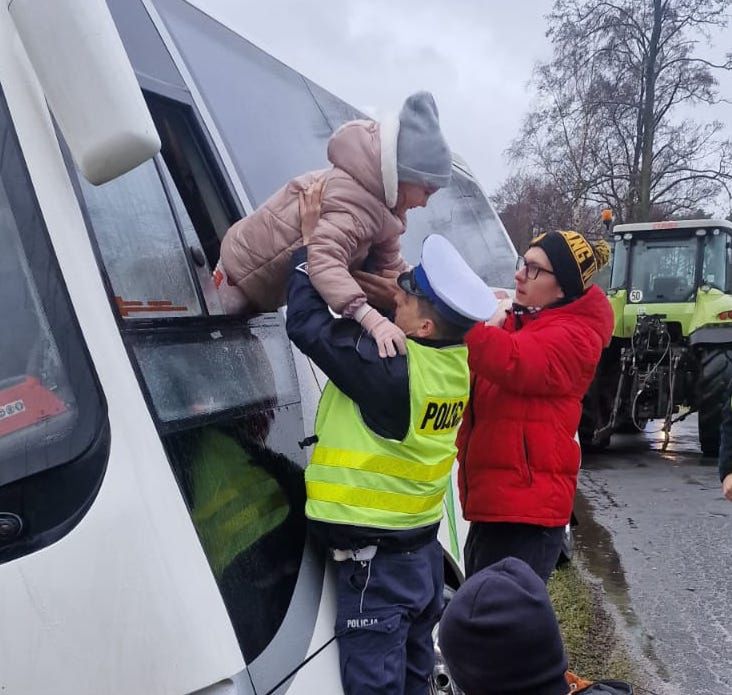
{"type": "Point", "coordinates": [604, 129]}
{"type": "Point", "coordinates": [529, 205]}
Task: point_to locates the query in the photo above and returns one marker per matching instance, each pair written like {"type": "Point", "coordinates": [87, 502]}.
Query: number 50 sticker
{"type": "Point", "coordinates": [636, 296]}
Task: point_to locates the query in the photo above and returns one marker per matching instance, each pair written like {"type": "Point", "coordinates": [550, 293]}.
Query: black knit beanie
{"type": "Point", "coordinates": [499, 634]}
{"type": "Point", "coordinates": [573, 259]}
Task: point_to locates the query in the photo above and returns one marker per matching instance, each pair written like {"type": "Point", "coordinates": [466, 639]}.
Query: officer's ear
{"type": "Point", "coordinates": [427, 328]}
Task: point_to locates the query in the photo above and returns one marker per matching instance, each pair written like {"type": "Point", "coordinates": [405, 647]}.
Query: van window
{"type": "Point", "coordinates": [196, 174]}
{"type": "Point", "coordinates": [247, 503]}
{"type": "Point", "coordinates": [191, 374]}
{"type": "Point", "coordinates": [463, 215]}
{"type": "Point", "coordinates": [52, 453]}
{"type": "Point", "coordinates": [193, 244]}
{"type": "Point", "coordinates": [139, 240]}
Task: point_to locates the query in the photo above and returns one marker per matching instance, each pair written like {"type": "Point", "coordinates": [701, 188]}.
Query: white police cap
{"type": "Point", "coordinates": [451, 284]}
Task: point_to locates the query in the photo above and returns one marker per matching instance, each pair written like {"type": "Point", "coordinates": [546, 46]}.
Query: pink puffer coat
{"type": "Point", "coordinates": [355, 223]}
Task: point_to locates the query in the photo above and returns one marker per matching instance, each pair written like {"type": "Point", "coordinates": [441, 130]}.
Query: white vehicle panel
{"type": "Point", "coordinates": [134, 558]}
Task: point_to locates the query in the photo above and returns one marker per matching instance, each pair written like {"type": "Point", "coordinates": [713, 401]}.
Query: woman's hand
{"type": "Point", "coordinates": [309, 202]}
{"type": "Point", "coordinates": [499, 317]}
{"type": "Point", "coordinates": [379, 289]}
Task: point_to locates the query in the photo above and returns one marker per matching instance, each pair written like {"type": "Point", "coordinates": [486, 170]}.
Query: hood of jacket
{"type": "Point", "coordinates": [594, 306]}
{"type": "Point", "coordinates": [366, 151]}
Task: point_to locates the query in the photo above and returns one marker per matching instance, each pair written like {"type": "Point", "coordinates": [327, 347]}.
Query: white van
{"type": "Point", "coordinates": [123, 387]}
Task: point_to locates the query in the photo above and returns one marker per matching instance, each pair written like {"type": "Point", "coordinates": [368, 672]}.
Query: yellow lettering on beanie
{"type": "Point", "coordinates": [583, 254]}
{"type": "Point", "coordinates": [578, 245]}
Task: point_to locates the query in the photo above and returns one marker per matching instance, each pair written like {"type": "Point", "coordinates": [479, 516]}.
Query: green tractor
{"type": "Point", "coordinates": [670, 287]}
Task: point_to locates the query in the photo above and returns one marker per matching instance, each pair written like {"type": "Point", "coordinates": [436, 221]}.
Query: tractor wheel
{"type": "Point", "coordinates": [715, 375]}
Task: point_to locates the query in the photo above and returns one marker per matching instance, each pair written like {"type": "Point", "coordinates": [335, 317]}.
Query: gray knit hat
{"type": "Point", "coordinates": [423, 156]}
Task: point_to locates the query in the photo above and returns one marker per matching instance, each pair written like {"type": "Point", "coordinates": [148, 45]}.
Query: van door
{"type": "Point", "coordinates": [223, 392]}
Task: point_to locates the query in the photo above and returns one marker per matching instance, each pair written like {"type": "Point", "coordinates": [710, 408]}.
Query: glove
{"type": "Point", "coordinates": [389, 337]}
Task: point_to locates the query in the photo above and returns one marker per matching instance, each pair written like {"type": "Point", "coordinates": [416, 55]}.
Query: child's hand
{"type": "Point", "coordinates": [309, 202]}
{"type": "Point", "coordinates": [389, 338]}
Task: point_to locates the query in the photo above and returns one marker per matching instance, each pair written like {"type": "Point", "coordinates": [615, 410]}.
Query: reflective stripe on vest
{"type": "Point", "coordinates": [357, 477]}
{"type": "Point", "coordinates": [234, 502]}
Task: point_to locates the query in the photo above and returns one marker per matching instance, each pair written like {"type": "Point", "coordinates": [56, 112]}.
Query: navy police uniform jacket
{"type": "Point", "coordinates": [350, 358]}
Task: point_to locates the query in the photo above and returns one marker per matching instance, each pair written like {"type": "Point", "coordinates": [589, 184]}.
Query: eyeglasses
{"type": "Point", "coordinates": [531, 270]}
{"type": "Point", "coordinates": [407, 282]}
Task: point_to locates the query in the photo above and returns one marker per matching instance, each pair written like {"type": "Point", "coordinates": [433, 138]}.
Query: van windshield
{"type": "Point", "coordinates": [52, 444]}
{"type": "Point", "coordinates": [37, 405]}
{"type": "Point", "coordinates": [46, 411]}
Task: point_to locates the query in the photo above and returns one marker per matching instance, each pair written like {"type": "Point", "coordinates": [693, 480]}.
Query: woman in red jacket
{"type": "Point", "coordinates": [531, 365]}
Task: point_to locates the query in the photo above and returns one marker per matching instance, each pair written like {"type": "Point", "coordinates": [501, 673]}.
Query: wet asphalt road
{"type": "Point", "coordinates": [655, 528]}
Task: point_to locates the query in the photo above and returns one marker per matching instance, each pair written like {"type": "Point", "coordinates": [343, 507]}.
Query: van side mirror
{"type": "Point", "coordinates": [91, 89]}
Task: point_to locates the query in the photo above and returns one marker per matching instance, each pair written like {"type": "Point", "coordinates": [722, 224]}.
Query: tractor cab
{"type": "Point", "coordinates": [668, 262]}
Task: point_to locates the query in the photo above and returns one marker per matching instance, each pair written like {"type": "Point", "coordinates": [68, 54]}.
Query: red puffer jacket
{"type": "Point", "coordinates": [517, 450]}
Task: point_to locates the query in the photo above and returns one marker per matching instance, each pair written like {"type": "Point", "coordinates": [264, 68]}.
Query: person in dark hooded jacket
{"type": "Point", "coordinates": [531, 365]}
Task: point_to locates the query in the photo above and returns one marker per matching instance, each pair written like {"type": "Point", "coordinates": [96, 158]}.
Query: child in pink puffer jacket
{"type": "Point", "coordinates": [380, 170]}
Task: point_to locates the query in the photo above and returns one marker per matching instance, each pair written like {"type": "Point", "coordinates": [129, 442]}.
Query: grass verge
{"type": "Point", "coordinates": [594, 648]}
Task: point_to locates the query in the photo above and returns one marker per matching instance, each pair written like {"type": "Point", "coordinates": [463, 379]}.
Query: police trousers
{"type": "Point", "coordinates": [387, 609]}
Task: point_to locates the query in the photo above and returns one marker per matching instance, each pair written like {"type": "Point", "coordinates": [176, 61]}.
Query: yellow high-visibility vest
{"type": "Point", "coordinates": [235, 503]}
{"type": "Point", "coordinates": [357, 477]}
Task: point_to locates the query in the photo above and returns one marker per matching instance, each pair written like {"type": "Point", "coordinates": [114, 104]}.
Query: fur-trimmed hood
{"type": "Point", "coordinates": [367, 151]}
{"type": "Point", "coordinates": [357, 223]}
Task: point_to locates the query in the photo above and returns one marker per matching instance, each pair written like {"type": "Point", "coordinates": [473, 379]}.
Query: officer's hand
{"type": "Point", "coordinates": [727, 487]}
{"type": "Point", "coordinates": [499, 317]}
{"type": "Point", "coordinates": [380, 290]}
{"type": "Point", "coordinates": [309, 202]}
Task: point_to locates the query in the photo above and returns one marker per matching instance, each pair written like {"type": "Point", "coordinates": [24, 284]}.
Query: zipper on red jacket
{"type": "Point", "coordinates": [467, 443]}
{"type": "Point", "coordinates": [526, 458]}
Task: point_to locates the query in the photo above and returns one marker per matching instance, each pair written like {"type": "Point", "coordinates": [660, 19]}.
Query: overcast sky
{"type": "Point", "coordinates": [475, 56]}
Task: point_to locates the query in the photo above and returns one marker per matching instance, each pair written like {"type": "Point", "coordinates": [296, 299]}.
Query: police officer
{"type": "Point", "coordinates": [385, 446]}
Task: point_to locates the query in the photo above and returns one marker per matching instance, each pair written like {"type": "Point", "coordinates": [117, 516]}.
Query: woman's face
{"type": "Point", "coordinates": [540, 291]}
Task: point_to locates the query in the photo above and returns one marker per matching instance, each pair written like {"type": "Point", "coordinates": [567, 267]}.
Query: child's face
{"type": "Point", "coordinates": [412, 195]}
